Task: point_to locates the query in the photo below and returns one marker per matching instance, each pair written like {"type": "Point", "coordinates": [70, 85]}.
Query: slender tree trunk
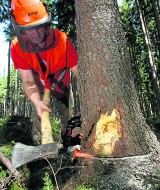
{"type": "Point", "coordinates": [158, 3]}
{"type": "Point", "coordinates": [16, 94]}
{"type": "Point", "coordinates": [8, 80]}
{"type": "Point", "coordinates": [75, 98]}
{"type": "Point", "coordinates": [157, 18]}
{"type": "Point", "coordinates": [137, 80]}
{"type": "Point", "coordinates": [24, 107]}
{"type": "Point", "coordinates": [151, 56]}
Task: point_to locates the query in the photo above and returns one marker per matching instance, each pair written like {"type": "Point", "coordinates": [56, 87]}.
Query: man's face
{"type": "Point", "coordinates": [36, 36]}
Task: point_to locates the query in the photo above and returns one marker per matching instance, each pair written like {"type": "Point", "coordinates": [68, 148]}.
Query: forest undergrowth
{"type": "Point", "coordinates": [51, 174]}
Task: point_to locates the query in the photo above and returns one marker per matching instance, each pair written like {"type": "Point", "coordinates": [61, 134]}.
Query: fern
{"type": "Point", "coordinates": [47, 182]}
{"type": "Point", "coordinates": [16, 186]}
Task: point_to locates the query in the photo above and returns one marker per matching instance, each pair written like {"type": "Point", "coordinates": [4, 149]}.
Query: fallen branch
{"type": "Point", "coordinates": [8, 165]}
{"type": "Point", "coordinates": [54, 173]}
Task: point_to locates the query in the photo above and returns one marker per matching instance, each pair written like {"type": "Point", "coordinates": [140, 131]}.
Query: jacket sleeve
{"type": "Point", "coordinates": [18, 60]}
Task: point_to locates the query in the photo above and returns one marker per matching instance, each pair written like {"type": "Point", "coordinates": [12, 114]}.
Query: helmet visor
{"type": "Point", "coordinates": [35, 38]}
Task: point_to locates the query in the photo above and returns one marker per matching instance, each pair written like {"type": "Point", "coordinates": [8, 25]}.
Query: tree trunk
{"type": "Point", "coordinates": [75, 95]}
{"type": "Point", "coordinates": [113, 125]}
{"type": "Point", "coordinates": [151, 57]}
{"type": "Point", "coordinates": [16, 94]}
{"type": "Point", "coordinates": [157, 18]}
{"type": "Point", "coordinates": [8, 80]}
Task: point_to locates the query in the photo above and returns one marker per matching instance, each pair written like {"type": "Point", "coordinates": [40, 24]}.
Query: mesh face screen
{"type": "Point", "coordinates": [35, 38]}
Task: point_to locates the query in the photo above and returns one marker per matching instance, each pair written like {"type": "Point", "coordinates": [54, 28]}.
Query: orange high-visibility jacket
{"type": "Point", "coordinates": [61, 55]}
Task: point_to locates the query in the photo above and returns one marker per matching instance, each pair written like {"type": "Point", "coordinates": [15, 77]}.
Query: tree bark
{"type": "Point", "coordinates": [8, 79]}
{"type": "Point", "coordinates": [157, 18]}
{"type": "Point", "coordinates": [106, 82]}
{"type": "Point", "coordinates": [113, 125]}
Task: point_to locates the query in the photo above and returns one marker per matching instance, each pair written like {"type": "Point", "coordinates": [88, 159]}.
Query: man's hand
{"type": "Point", "coordinates": [40, 106]}
{"type": "Point", "coordinates": [32, 91]}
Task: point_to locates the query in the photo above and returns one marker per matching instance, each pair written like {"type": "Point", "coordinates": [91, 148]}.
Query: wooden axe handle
{"type": "Point", "coordinates": [46, 128]}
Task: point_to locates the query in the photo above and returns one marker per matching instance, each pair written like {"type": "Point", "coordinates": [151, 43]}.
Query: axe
{"type": "Point", "coordinates": [23, 154]}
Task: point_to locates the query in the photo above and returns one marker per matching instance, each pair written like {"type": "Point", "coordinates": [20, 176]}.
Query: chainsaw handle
{"type": "Point", "coordinates": [46, 128]}
{"type": "Point", "coordinates": [71, 123]}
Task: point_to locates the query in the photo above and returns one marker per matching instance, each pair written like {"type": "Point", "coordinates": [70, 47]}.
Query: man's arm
{"type": "Point", "coordinates": [32, 91]}
{"type": "Point", "coordinates": [30, 88]}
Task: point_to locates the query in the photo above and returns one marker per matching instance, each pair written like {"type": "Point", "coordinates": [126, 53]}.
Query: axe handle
{"type": "Point", "coordinates": [46, 127]}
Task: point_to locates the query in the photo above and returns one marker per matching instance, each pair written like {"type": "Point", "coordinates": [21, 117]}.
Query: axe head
{"type": "Point", "coordinates": [23, 154]}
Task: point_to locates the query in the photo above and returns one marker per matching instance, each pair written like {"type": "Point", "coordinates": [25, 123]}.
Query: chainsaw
{"type": "Point", "coordinates": [67, 139]}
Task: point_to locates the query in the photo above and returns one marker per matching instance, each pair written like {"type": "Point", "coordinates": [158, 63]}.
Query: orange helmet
{"type": "Point", "coordinates": [28, 16]}
{"type": "Point", "coordinates": [28, 12]}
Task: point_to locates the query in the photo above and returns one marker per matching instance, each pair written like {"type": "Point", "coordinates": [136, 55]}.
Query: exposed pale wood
{"type": "Point", "coordinates": [46, 127]}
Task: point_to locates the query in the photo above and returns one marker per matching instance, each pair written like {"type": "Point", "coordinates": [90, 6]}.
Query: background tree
{"type": "Point", "coordinates": [139, 53]}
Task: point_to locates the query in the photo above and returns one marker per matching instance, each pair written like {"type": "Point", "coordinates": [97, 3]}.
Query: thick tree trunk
{"type": "Point", "coordinates": [113, 125]}
{"type": "Point", "coordinates": [106, 84]}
